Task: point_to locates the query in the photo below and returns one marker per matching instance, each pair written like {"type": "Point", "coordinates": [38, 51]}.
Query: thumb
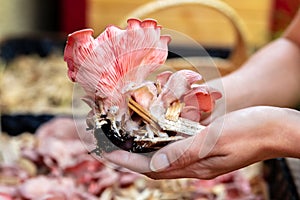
{"type": "Point", "coordinates": [176, 155]}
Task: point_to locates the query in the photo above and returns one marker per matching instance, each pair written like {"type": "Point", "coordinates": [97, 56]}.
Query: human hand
{"type": "Point", "coordinates": [230, 142]}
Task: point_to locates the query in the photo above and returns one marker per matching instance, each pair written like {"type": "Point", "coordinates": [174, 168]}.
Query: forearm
{"type": "Point", "coordinates": [284, 141]}
{"type": "Point", "coordinates": [270, 77]}
{"type": "Point", "coordinates": [292, 134]}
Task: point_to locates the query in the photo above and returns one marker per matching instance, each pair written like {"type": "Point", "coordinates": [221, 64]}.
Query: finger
{"type": "Point", "coordinates": [131, 161]}
{"type": "Point", "coordinates": [182, 153]}
{"type": "Point", "coordinates": [176, 155]}
{"type": "Point", "coordinates": [171, 174]}
{"type": "Point", "coordinates": [220, 110]}
{"type": "Point", "coordinates": [206, 121]}
{"type": "Point", "coordinates": [195, 170]}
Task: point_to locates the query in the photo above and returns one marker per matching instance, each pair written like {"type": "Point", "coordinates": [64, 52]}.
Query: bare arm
{"type": "Point", "coordinates": [270, 77]}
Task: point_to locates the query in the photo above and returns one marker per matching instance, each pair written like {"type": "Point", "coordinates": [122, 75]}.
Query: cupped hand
{"type": "Point", "coordinates": [230, 142]}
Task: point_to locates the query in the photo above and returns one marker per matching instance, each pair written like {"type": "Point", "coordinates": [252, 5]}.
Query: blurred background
{"type": "Point", "coordinates": [34, 87]}
{"type": "Point", "coordinates": [264, 19]}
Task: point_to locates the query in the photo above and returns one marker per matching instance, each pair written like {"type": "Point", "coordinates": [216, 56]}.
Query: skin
{"type": "Point", "coordinates": [260, 123]}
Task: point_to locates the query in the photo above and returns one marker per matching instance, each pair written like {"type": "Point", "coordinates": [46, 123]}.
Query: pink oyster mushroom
{"type": "Point", "coordinates": [116, 64]}
{"type": "Point", "coordinates": [108, 66]}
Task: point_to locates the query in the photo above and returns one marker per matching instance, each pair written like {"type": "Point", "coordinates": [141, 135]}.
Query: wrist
{"type": "Point", "coordinates": [291, 132]}
{"type": "Point", "coordinates": [284, 137]}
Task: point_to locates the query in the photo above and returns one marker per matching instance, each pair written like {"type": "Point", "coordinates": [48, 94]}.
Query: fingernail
{"type": "Point", "coordinates": [159, 162]}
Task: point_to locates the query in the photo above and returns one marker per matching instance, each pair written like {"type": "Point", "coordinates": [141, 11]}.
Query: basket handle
{"type": "Point", "coordinates": [240, 49]}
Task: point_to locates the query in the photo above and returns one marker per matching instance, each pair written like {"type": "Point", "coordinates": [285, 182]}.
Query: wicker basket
{"type": "Point", "coordinates": [239, 52]}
